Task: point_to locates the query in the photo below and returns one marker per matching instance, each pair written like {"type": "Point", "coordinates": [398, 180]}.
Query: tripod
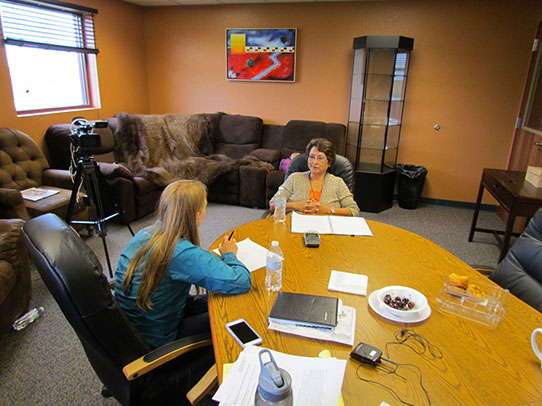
{"type": "Point", "coordinates": [89, 172]}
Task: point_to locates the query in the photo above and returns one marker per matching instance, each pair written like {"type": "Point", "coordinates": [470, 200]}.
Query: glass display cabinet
{"type": "Point", "coordinates": [379, 77]}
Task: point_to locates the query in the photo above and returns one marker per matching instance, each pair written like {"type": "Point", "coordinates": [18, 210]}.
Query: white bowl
{"type": "Point", "coordinates": [420, 301]}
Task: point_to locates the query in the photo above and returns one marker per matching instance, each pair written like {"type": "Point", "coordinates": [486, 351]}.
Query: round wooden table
{"type": "Point", "coordinates": [480, 365]}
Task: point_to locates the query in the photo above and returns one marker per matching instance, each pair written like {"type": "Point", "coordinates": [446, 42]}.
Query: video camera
{"type": "Point", "coordinates": [82, 135]}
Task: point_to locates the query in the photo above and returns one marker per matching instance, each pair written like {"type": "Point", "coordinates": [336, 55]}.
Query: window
{"type": "Point", "coordinates": [51, 55]}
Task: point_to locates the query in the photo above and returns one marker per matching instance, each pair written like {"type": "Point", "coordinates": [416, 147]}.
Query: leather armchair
{"type": "Point", "coordinates": [121, 358]}
{"type": "Point", "coordinates": [15, 281]}
{"type": "Point", "coordinates": [521, 270]}
{"type": "Point", "coordinates": [23, 166]}
{"type": "Point", "coordinates": [341, 168]}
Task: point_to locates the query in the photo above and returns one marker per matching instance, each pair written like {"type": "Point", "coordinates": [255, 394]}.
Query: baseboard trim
{"type": "Point", "coordinates": [455, 203]}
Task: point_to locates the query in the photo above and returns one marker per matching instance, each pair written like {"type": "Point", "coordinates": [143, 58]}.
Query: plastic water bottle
{"type": "Point", "coordinates": [27, 318]}
{"type": "Point", "coordinates": [273, 275]}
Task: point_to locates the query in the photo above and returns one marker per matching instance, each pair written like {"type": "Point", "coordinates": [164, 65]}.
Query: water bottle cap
{"type": "Point", "coordinates": [274, 384]}
{"type": "Point", "coordinates": [274, 243]}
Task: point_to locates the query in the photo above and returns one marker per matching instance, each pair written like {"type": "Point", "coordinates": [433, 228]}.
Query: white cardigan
{"type": "Point", "coordinates": [335, 193]}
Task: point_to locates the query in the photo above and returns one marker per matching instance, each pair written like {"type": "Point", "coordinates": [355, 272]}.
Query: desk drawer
{"type": "Point", "coordinates": [499, 192]}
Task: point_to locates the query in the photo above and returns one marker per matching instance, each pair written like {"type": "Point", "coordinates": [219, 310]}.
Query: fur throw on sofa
{"type": "Point", "coordinates": [167, 147]}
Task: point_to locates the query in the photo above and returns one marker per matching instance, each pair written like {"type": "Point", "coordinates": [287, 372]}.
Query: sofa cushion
{"type": "Point", "coordinates": [238, 135]}
{"type": "Point", "coordinates": [21, 161]}
{"type": "Point", "coordinates": [298, 133]}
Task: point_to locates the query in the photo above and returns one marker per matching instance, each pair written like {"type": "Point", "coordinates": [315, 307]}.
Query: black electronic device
{"type": "Point", "coordinates": [311, 239]}
{"type": "Point", "coordinates": [367, 354]}
{"type": "Point", "coordinates": [84, 169]}
{"type": "Point", "coordinates": [82, 135]}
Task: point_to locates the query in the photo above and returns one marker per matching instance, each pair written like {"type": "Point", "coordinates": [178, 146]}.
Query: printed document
{"type": "Point", "coordinates": [302, 223]}
{"type": "Point", "coordinates": [315, 381]}
{"type": "Point", "coordinates": [251, 254]}
{"type": "Point", "coordinates": [343, 333]}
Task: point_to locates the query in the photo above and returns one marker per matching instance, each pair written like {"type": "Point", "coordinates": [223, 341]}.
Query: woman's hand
{"type": "Point", "coordinates": [227, 246]}
{"type": "Point", "coordinates": [317, 208]}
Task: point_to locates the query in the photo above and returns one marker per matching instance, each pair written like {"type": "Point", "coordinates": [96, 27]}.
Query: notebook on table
{"type": "Point", "coordinates": [305, 310]}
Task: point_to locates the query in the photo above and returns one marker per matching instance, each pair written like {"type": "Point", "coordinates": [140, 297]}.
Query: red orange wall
{"type": "Point", "coordinates": [467, 73]}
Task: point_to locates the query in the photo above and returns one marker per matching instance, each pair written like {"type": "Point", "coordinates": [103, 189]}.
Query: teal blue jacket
{"type": "Point", "coordinates": [189, 265]}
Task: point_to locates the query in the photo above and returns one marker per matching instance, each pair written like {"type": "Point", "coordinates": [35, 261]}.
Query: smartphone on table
{"type": "Point", "coordinates": [243, 333]}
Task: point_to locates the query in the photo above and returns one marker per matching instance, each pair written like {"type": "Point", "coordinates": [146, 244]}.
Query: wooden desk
{"type": "Point", "coordinates": [480, 366]}
{"type": "Point", "coordinates": [517, 196]}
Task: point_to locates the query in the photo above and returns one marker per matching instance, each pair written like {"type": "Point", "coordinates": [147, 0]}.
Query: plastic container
{"type": "Point", "coordinates": [280, 210]}
{"type": "Point", "coordinates": [410, 185]}
{"type": "Point", "coordinates": [487, 310]}
{"type": "Point", "coordinates": [273, 274]}
{"type": "Point", "coordinates": [27, 318]}
{"type": "Point", "coordinates": [274, 384]}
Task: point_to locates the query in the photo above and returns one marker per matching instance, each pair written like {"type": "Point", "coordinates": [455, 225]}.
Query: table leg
{"type": "Point", "coordinates": [476, 211]}
{"type": "Point", "coordinates": [508, 232]}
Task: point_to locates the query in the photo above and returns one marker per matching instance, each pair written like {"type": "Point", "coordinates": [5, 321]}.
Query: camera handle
{"type": "Point", "coordinates": [89, 172]}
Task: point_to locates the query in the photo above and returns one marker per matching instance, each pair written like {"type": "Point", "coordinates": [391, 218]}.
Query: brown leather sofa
{"type": "Point", "coordinates": [15, 281]}
{"type": "Point", "coordinates": [236, 136]}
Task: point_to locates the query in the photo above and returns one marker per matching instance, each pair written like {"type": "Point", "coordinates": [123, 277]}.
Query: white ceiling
{"type": "Point", "coordinates": [148, 3]}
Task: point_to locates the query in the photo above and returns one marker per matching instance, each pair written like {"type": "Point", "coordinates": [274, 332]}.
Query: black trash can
{"type": "Point", "coordinates": [410, 185]}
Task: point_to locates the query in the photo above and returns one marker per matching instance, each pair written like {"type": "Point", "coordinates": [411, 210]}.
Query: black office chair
{"type": "Point", "coordinates": [342, 168]}
{"type": "Point", "coordinates": [520, 271]}
{"type": "Point", "coordinates": [121, 358]}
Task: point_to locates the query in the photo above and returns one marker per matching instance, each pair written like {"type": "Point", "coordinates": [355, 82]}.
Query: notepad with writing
{"type": "Point", "coordinates": [302, 223]}
{"type": "Point", "coordinates": [305, 310]}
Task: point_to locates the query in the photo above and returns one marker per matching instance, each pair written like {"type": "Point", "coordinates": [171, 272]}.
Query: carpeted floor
{"type": "Point", "coordinates": [44, 364]}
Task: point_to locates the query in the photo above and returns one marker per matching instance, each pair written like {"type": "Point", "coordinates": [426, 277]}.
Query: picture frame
{"type": "Point", "coordinates": [261, 54]}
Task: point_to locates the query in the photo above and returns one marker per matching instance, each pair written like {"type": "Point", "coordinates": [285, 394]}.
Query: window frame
{"type": "Point", "coordinates": [84, 36]}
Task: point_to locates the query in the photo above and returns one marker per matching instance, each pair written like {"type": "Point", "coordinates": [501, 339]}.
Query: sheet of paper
{"type": "Point", "coordinates": [350, 226]}
{"type": "Point", "coordinates": [342, 225]}
{"type": "Point", "coordinates": [343, 333]}
{"type": "Point", "coordinates": [303, 223]}
{"type": "Point", "coordinates": [251, 254]}
{"type": "Point", "coordinates": [348, 282]}
{"type": "Point", "coordinates": [315, 381]}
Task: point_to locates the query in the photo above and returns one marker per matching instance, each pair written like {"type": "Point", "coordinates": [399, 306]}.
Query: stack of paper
{"type": "Point", "coordinates": [330, 225]}
{"type": "Point", "coordinates": [348, 282]}
{"type": "Point", "coordinates": [315, 381]}
{"type": "Point", "coordinates": [343, 333]}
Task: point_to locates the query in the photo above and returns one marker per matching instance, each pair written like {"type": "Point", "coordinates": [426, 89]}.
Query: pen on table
{"type": "Point", "coordinates": [229, 238]}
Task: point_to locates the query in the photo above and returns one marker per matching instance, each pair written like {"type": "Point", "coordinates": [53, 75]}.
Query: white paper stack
{"type": "Point", "coordinates": [315, 381]}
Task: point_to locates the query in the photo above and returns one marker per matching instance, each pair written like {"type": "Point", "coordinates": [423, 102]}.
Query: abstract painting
{"type": "Point", "coordinates": [261, 54]}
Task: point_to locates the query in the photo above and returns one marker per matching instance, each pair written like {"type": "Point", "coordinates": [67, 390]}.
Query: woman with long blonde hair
{"type": "Point", "coordinates": [161, 263]}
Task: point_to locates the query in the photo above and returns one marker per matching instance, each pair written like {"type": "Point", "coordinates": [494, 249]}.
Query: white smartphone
{"type": "Point", "coordinates": [243, 333]}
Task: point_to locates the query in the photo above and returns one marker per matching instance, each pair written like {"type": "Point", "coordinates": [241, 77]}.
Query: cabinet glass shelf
{"type": "Point", "coordinates": [377, 95]}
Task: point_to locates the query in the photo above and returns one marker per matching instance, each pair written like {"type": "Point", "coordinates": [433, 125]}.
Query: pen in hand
{"type": "Point", "coordinates": [231, 235]}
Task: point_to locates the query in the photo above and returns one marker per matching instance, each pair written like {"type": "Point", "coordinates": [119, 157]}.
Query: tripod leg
{"type": "Point", "coordinates": [130, 228]}
{"type": "Point", "coordinates": [75, 190]}
{"type": "Point", "coordinates": [107, 256]}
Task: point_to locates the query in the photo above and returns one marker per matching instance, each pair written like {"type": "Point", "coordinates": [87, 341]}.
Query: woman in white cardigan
{"type": "Point", "coordinates": [316, 191]}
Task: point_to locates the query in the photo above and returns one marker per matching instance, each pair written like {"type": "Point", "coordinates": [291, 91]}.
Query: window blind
{"type": "Point", "coordinates": [48, 25]}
